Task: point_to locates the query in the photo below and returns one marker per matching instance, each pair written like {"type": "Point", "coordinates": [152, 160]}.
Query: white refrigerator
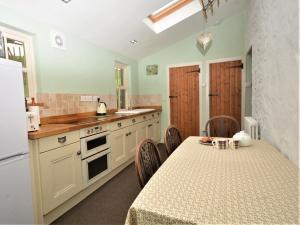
{"type": "Point", "coordinates": [15, 181]}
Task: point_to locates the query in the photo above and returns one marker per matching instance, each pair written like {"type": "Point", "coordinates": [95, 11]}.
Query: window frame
{"type": "Point", "coordinates": [123, 67]}
{"type": "Point", "coordinates": [29, 54]}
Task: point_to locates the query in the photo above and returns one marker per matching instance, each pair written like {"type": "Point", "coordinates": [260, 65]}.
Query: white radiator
{"type": "Point", "coordinates": [251, 127]}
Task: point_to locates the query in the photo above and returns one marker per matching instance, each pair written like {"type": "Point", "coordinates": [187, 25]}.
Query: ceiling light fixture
{"type": "Point", "coordinates": [66, 1]}
{"type": "Point", "coordinates": [133, 42]}
{"type": "Point", "coordinates": [208, 5]}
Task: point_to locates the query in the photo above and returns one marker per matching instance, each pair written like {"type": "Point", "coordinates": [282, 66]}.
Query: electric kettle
{"type": "Point", "coordinates": [101, 108]}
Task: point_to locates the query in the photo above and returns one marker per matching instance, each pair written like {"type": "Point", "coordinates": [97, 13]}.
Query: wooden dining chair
{"type": "Point", "coordinates": [147, 161]}
{"type": "Point", "coordinates": [222, 126]}
{"type": "Point", "coordinates": [172, 139]}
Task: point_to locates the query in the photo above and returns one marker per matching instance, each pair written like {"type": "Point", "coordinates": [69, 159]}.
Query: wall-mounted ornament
{"type": "Point", "coordinates": [204, 40]}
{"type": "Point", "coordinates": [151, 70]}
{"type": "Point", "coordinates": [58, 40]}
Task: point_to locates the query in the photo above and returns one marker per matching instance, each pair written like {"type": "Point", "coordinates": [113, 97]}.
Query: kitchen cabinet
{"type": "Point", "coordinates": [57, 164]}
{"type": "Point", "coordinates": [61, 176]}
{"type": "Point", "coordinates": [151, 129]}
{"type": "Point", "coordinates": [141, 131]}
{"type": "Point", "coordinates": [118, 148]}
{"type": "Point", "coordinates": [157, 130]}
{"type": "Point", "coordinates": [131, 140]}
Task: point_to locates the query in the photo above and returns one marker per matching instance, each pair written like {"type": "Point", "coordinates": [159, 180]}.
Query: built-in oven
{"type": "Point", "coordinates": [95, 153]}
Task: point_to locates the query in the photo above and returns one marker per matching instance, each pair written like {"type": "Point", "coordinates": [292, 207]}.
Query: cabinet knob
{"type": "Point", "coordinates": [150, 125]}
{"type": "Point", "coordinates": [79, 152]}
{"type": "Point", "coordinates": [144, 117]}
{"type": "Point", "coordinates": [62, 139]}
{"type": "Point", "coordinates": [152, 115]}
{"type": "Point", "coordinates": [133, 120]}
{"type": "Point", "coordinates": [119, 124]}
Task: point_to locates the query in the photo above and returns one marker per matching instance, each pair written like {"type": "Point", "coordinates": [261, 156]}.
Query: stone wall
{"type": "Point", "coordinates": [272, 31]}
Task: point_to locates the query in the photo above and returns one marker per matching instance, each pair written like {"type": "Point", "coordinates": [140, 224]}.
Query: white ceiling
{"type": "Point", "coordinates": [113, 23]}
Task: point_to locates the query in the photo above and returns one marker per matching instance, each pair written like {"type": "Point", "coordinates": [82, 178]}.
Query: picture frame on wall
{"type": "Point", "coordinates": [2, 50]}
{"type": "Point", "coordinates": [152, 70]}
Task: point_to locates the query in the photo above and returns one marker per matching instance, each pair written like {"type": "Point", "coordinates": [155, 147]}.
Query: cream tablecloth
{"type": "Point", "coordinates": [202, 185]}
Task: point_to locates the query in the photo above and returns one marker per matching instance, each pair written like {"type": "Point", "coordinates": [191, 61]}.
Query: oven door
{"type": "Point", "coordinates": [93, 144]}
{"type": "Point", "coordinates": [95, 167]}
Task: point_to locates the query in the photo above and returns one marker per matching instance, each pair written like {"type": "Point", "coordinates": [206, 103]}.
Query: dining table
{"type": "Point", "coordinates": [200, 184]}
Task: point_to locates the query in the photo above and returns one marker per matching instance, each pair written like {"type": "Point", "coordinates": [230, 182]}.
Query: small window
{"type": "Point", "coordinates": [17, 46]}
{"type": "Point", "coordinates": [121, 84]}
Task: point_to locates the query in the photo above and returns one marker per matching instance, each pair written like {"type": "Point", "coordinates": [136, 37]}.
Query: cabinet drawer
{"type": "Point", "coordinates": [135, 120]}
{"type": "Point", "coordinates": [120, 124]}
{"type": "Point", "coordinates": [57, 141]}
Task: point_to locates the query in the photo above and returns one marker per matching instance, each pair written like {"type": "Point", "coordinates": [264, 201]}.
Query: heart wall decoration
{"type": "Point", "coordinates": [204, 41]}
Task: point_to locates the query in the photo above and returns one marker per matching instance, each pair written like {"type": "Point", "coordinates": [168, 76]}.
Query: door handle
{"type": "Point", "coordinates": [173, 96]}
{"type": "Point", "coordinates": [213, 94]}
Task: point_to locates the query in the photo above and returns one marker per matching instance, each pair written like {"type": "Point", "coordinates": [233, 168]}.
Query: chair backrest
{"type": "Point", "coordinates": [147, 161]}
{"type": "Point", "coordinates": [222, 126]}
{"type": "Point", "coordinates": [172, 139]}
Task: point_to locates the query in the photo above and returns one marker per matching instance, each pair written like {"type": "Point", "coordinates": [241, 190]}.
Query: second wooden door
{"type": "Point", "coordinates": [184, 99]}
{"type": "Point", "coordinates": [225, 89]}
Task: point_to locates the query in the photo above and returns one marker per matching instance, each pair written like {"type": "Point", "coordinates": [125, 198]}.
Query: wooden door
{"type": "Point", "coordinates": [225, 89]}
{"type": "Point", "coordinates": [184, 99]}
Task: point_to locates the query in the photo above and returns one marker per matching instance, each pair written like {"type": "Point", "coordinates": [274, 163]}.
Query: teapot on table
{"type": "Point", "coordinates": [243, 138]}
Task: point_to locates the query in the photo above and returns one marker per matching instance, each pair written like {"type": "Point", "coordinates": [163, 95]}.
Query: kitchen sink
{"type": "Point", "coordinates": [134, 111]}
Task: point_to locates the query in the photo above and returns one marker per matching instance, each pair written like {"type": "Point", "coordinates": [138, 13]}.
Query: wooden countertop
{"type": "Point", "coordinates": [61, 126]}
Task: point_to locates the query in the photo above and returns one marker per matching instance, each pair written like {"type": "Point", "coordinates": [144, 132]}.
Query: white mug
{"type": "Point", "coordinates": [222, 143]}
{"type": "Point", "coordinates": [234, 144]}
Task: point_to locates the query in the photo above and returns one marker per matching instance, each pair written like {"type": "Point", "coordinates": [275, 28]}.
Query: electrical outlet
{"type": "Point", "coordinates": [95, 98]}
{"type": "Point", "coordinates": [89, 98]}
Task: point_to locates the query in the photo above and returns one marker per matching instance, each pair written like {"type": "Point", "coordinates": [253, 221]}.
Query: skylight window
{"type": "Point", "coordinates": [171, 14]}
{"type": "Point", "coordinates": [168, 9]}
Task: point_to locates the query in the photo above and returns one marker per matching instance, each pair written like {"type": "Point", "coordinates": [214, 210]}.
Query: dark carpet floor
{"type": "Point", "coordinates": [110, 203]}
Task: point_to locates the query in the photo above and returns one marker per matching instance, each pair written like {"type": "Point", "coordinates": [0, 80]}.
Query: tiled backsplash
{"type": "Point", "coordinates": [61, 104]}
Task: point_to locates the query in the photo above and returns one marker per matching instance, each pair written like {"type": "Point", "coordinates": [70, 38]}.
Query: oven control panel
{"type": "Point", "coordinates": [92, 130]}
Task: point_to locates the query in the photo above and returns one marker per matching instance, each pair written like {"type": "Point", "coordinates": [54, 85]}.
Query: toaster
{"type": "Point", "coordinates": [32, 121]}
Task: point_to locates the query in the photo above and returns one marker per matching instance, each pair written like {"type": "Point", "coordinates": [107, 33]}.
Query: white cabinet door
{"type": "Point", "coordinates": [151, 129]}
{"type": "Point", "coordinates": [157, 130]}
{"type": "Point", "coordinates": [118, 151]}
{"type": "Point", "coordinates": [142, 131]}
{"type": "Point", "coordinates": [131, 140]}
{"type": "Point", "coordinates": [61, 175]}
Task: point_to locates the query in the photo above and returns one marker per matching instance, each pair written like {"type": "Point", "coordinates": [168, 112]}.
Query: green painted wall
{"type": "Point", "coordinates": [87, 68]}
{"type": "Point", "coordinates": [82, 68]}
{"type": "Point", "coordinates": [228, 41]}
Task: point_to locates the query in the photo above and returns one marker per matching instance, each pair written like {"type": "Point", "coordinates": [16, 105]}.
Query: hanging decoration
{"type": "Point", "coordinates": [205, 39]}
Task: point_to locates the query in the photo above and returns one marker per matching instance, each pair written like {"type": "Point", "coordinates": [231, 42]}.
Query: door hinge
{"type": "Point", "coordinates": [241, 66]}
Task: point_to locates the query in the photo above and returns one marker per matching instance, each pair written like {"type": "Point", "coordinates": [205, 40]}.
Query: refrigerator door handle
{"type": "Point", "coordinates": [12, 158]}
